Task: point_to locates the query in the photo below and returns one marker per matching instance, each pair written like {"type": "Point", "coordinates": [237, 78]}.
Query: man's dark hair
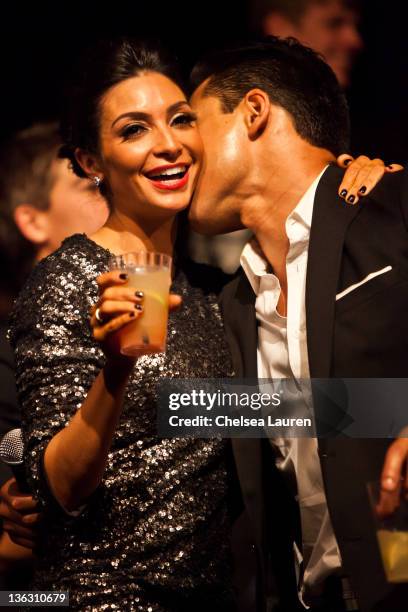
{"type": "Point", "coordinates": [291, 9]}
{"type": "Point", "coordinates": [293, 76]}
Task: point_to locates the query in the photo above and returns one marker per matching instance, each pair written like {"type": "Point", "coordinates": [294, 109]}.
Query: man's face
{"type": "Point", "coordinates": [215, 204]}
{"type": "Point", "coordinates": [331, 30]}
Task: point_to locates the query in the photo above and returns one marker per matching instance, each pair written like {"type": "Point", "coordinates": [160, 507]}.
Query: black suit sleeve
{"type": "Point", "coordinates": [10, 417]}
{"type": "Point", "coordinates": [404, 197]}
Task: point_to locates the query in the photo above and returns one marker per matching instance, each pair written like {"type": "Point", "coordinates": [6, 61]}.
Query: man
{"type": "Point", "coordinates": [321, 294]}
{"type": "Point", "coordinates": [41, 203]}
{"type": "Point", "coordinates": [327, 26]}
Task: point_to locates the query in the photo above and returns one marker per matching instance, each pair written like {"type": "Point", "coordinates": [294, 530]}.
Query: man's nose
{"type": "Point", "coordinates": [167, 144]}
{"type": "Point", "coordinates": [352, 38]}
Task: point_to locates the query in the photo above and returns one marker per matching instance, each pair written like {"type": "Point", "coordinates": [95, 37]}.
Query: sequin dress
{"type": "Point", "coordinates": [155, 535]}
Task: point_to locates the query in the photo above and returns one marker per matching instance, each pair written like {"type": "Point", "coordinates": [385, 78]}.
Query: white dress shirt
{"type": "Point", "coordinates": [282, 353]}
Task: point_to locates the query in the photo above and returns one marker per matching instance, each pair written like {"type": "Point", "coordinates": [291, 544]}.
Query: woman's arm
{"type": "Point", "coordinates": [71, 398]}
{"type": "Point", "coordinates": [70, 392]}
{"type": "Point", "coordinates": [76, 456]}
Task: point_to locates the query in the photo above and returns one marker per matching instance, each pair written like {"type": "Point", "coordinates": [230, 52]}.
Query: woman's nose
{"type": "Point", "coordinates": [167, 144]}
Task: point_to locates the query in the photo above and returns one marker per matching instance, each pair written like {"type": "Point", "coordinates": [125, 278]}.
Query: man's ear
{"type": "Point", "coordinates": [32, 223]}
{"type": "Point", "coordinates": [88, 163]}
{"type": "Point", "coordinates": [257, 110]}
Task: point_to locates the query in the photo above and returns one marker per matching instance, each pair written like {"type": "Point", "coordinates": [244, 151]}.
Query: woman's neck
{"type": "Point", "coordinates": [121, 234]}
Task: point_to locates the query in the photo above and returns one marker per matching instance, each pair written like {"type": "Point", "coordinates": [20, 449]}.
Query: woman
{"type": "Point", "coordinates": [133, 522]}
{"type": "Point", "coordinates": [154, 532]}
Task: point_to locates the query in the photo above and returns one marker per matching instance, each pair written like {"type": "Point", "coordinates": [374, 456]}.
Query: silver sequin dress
{"type": "Point", "coordinates": [155, 535]}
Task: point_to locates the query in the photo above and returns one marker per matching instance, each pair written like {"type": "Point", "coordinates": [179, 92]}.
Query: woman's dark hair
{"type": "Point", "coordinates": [105, 65]}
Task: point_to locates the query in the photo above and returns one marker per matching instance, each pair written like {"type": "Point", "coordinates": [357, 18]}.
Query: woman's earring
{"type": "Point", "coordinates": [97, 180]}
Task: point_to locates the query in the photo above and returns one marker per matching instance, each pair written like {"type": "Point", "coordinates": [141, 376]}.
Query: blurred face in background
{"type": "Point", "coordinates": [71, 205]}
{"type": "Point", "coordinates": [75, 206]}
{"type": "Point", "coordinates": [330, 28]}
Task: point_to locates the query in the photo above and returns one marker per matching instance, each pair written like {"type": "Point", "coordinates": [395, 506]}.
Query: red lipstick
{"type": "Point", "coordinates": [172, 185]}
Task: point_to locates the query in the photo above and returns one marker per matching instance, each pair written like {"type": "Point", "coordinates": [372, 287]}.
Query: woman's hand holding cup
{"type": "Point", "coordinates": [119, 304]}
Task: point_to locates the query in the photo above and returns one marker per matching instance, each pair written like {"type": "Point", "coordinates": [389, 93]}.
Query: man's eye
{"type": "Point", "coordinates": [184, 119]}
{"type": "Point", "coordinates": [135, 129]}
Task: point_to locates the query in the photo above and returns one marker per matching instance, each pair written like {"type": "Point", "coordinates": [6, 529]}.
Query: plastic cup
{"type": "Point", "coordinates": [390, 511]}
{"type": "Point", "coordinates": [151, 273]}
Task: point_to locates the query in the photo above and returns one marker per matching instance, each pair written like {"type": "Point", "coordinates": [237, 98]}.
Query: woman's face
{"type": "Point", "coordinates": [150, 148]}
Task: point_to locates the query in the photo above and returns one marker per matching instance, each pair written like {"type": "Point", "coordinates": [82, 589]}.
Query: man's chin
{"type": "Point", "coordinates": [203, 226]}
{"type": "Point", "coordinates": [212, 220]}
{"type": "Point", "coordinates": [212, 227]}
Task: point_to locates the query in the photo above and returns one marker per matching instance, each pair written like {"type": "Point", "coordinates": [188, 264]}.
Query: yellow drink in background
{"type": "Point", "coordinates": [394, 552]}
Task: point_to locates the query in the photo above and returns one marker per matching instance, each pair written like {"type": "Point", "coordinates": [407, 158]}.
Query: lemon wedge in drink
{"type": "Point", "coordinates": [157, 297]}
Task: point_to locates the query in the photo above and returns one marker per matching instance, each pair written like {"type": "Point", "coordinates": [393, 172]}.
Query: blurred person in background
{"type": "Point", "coordinates": [41, 202]}
{"type": "Point", "coordinates": [330, 27]}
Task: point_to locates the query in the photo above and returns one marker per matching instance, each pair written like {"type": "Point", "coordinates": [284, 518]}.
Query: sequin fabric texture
{"type": "Point", "coordinates": [155, 535]}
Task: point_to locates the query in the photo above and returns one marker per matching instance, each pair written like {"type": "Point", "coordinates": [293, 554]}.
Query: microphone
{"type": "Point", "coordinates": [12, 454]}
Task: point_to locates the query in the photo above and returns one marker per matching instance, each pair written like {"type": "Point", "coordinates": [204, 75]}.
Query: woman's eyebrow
{"type": "Point", "coordinates": [138, 115]}
{"type": "Point", "coordinates": [142, 116]}
{"type": "Point", "coordinates": [176, 106]}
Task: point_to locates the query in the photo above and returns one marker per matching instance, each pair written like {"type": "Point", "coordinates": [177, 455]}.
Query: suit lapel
{"type": "Point", "coordinates": [238, 309]}
{"type": "Point", "coordinates": [331, 218]}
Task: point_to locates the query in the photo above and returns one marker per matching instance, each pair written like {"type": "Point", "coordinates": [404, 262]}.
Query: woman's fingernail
{"type": "Point", "coordinates": [138, 307]}
{"type": "Point", "coordinates": [351, 199]}
{"type": "Point", "coordinates": [348, 161]}
{"type": "Point", "coordinates": [123, 276]}
{"type": "Point", "coordinates": [343, 193]}
{"type": "Point", "coordinates": [362, 189]}
{"type": "Point", "coordinates": [139, 294]}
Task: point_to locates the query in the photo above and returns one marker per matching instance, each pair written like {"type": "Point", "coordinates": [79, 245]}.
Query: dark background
{"type": "Point", "coordinates": [40, 41]}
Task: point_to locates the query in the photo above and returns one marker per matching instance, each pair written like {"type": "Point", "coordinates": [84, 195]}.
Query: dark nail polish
{"type": "Point", "coordinates": [351, 199]}
{"type": "Point", "coordinates": [138, 307]}
{"type": "Point", "coordinates": [139, 294]}
{"type": "Point", "coordinates": [362, 189]}
{"type": "Point", "coordinates": [123, 276]}
{"type": "Point", "coordinates": [348, 161]}
{"type": "Point", "coordinates": [132, 314]}
{"type": "Point", "coordinates": [343, 193]}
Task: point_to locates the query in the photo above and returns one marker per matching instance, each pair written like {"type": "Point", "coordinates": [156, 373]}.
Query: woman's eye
{"type": "Point", "coordinates": [184, 119]}
{"type": "Point", "coordinates": [135, 129]}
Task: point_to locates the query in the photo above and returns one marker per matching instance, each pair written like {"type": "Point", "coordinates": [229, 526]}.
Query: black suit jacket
{"type": "Point", "coordinates": [365, 334]}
